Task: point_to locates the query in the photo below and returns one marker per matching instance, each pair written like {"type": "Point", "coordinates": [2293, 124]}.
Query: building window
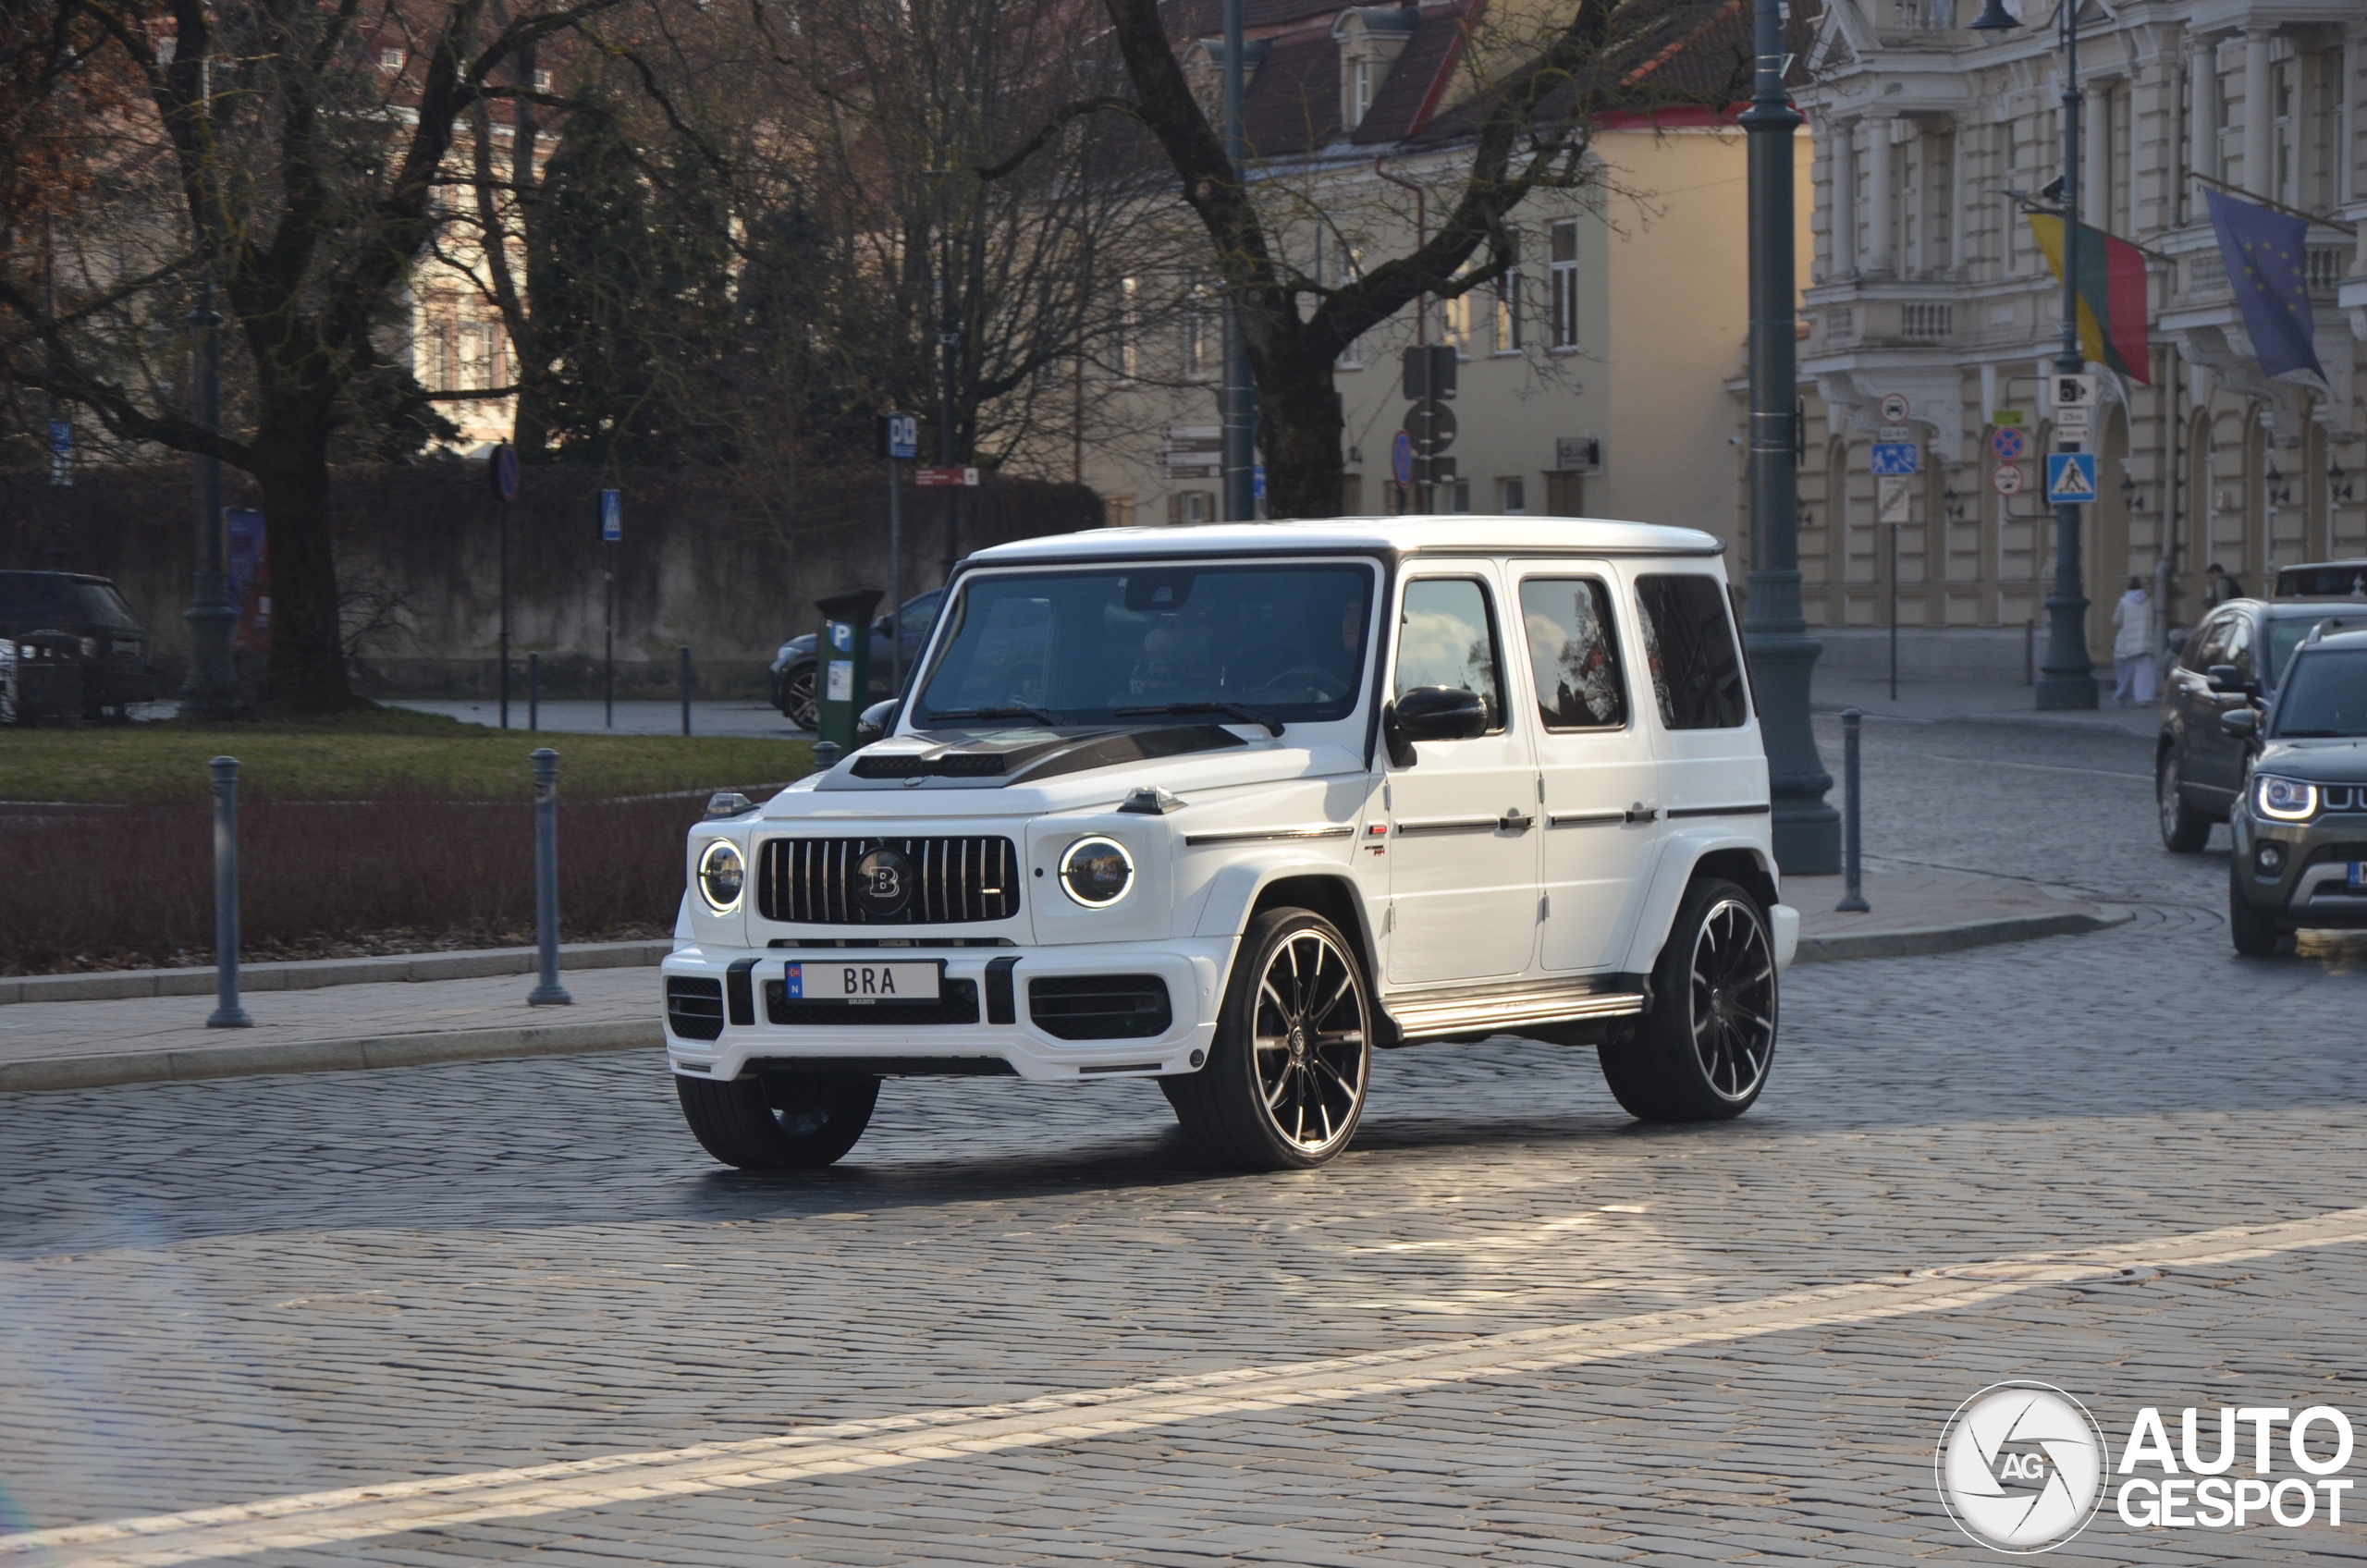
{"type": "Point", "coordinates": [1512, 497]}
{"type": "Point", "coordinates": [1458, 496]}
{"type": "Point", "coordinates": [1189, 508]}
{"type": "Point", "coordinates": [390, 60]}
{"type": "Point", "coordinates": [1507, 312]}
{"type": "Point", "coordinates": [1353, 356]}
{"type": "Point", "coordinates": [1562, 279]}
{"type": "Point", "coordinates": [1455, 321]}
{"type": "Point", "coordinates": [1360, 78]}
{"type": "Point", "coordinates": [542, 82]}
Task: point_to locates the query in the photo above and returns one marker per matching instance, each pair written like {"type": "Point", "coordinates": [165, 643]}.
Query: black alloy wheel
{"type": "Point", "coordinates": [1702, 1050]}
{"type": "Point", "coordinates": [798, 702]}
{"type": "Point", "coordinates": [1284, 1086]}
{"type": "Point", "coordinates": [2184, 829]}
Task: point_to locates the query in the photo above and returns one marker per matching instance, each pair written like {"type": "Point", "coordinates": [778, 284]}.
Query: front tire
{"type": "Point", "coordinates": [798, 702]}
{"type": "Point", "coordinates": [1284, 1086]}
{"type": "Point", "coordinates": [2184, 829]}
{"type": "Point", "coordinates": [1701, 1051]}
{"type": "Point", "coordinates": [780, 1121]}
{"type": "Point", "coordinates": [2251, 929]}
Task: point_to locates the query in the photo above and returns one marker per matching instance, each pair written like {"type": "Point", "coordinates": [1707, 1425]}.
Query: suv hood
{"type": "Point", "coordinates": [2319, 762]}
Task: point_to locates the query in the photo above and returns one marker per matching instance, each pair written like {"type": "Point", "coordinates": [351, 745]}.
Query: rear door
{"type": "Point", "coordinates": [1598, 781]}
{"type": "Point", "coordinates": [1463, 819]}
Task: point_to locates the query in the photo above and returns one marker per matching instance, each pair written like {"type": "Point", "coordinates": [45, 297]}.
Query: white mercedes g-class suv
{"type": "Point", "coordinates": [1231, 806]}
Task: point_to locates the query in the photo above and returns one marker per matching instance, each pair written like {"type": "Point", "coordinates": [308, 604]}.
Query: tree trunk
{"type": "Point", "coordinates": [1299, 429]}
{"type": "Point", "coordinates": [292, 468]}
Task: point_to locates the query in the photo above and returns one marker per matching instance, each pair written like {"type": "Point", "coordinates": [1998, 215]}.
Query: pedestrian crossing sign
{"type": "Point", "coordinates": [2070, 478]}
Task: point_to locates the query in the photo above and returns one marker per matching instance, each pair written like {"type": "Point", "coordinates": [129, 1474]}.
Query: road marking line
{"type": "Point", "coordinates": [328, 1518]}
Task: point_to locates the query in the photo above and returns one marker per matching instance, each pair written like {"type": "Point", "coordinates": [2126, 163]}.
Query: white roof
{"type": "Point", "coordinates": [1430, 535]}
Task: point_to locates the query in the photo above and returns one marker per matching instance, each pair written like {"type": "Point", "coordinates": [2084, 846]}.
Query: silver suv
{"type": "Point", "coordinates": [1229, 807]}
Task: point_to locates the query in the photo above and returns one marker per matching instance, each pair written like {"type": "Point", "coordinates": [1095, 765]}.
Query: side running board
{"type": "Point", "coordinates": [1468, 1012]}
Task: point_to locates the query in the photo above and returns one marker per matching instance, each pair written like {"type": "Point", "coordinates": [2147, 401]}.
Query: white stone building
{"type": "Point", "coordinates": [1928, 283]}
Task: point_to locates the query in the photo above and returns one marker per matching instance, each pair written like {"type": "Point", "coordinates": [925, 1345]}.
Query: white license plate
{"type": "Point", "coordinates": [2359, 873]}
{"type": "Point", "coordinates": [860, 981]}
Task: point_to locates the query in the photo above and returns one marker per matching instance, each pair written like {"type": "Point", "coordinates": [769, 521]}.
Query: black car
{"type": "Point", "coordinates": [2299, 855]}
{"type": "Point", "coordinates": [93, 630]}
{"type": "Point", "coordinates": [2234, 660]}
{"type": "Point", "coordinates": [793, 667]}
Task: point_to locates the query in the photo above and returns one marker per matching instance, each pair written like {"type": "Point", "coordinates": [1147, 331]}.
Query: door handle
{"type": "Point", "coordinates": [1639, 811]}
{"type": "Point", "coordinates": [1514, 821]}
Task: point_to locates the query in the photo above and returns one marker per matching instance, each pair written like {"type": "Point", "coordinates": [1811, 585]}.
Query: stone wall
{"type": "Point", "coordinates": [726, 572]}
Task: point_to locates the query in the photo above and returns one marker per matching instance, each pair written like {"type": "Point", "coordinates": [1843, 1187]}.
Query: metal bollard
{"type": "Point", "coordinates": [548, 992]}
{"type": "Point", "coordinates": [825, 755]}
{"type": "Point", "coordinates": [686, 691]}
{"type": "Point", "coordinates": [533, 691]}
{"type": "Point", "coordinates": [228, 1013]}
{"type": "Point", "coordinates": [1853, 897]}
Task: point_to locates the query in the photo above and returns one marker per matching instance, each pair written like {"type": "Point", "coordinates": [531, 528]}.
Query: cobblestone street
{"type": "Point", "coordinates": [218, 1294]}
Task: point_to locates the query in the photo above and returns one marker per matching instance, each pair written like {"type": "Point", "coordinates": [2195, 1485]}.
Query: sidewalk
{"type": "Point", "coordinates": [1981, 701]}
{"type": "Point", "coordinates": [743, 716]}
{"type": "Point", "coordinates": [343, 1016]}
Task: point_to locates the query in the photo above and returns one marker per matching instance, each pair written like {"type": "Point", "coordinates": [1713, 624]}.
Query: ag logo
{"type": "Point", "coordinates": [883, 883]}
{"type": "Point", "coordinates": [2021, 1467]}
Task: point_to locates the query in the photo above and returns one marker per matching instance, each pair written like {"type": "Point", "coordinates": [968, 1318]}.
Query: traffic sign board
{"type": "Point", "coordinates": [2008, 479]}
{"type": "Point", "coordinates": [1895, 457]}
{"type": "Point", "coordinates": [2070, 478]}
{"type": "Point", "coordinates": [900, 436]}
{"type": "Point", "coordinates": [2007, 444]}
{"type": "Point", "coordinates": [501, 468]}
{"type": "Point", "coordinates": [612, 515]}
{"type": "Point", "coordinates": [2072, 392]}
{"type": "Point", "coordinates": [1895, 408]}
{"type": "Point", "coordinates": [945, 476]}
{"type": "Point", "coordinates": [1401, 459]}
{"type": "Point", "coordinates": [2004, 416]}
{"type": "Point", "coordinates": [1893, 500]}
{"type": "Point", "coordinates": [1431, 424]}
{"type": "Point", "coordinates": [1894, 433]}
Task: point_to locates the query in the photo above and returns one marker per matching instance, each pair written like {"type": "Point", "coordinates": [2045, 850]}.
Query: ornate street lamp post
{"type": "Point", "coordinates": [1238, 413]}
{"type": "Point", "coordinates": [1782, 656]}
{"type": "Point", "coordinates": [2066, 676]}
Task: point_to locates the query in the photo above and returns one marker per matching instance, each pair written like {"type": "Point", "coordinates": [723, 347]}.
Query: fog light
{"type": "Point", "coordinates": [2270, 858]}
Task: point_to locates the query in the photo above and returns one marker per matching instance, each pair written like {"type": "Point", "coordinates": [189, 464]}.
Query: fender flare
{"type": "Point", "coordinates": [1235, 892]}
{"type": "Point", "coordinates": [1681, 853]}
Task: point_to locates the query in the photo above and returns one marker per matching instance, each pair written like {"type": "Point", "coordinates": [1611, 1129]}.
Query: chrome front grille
{"type": "Point", "coordinates": [2344, 797]}
{"type": "Point", "coordinates": [955, 881]}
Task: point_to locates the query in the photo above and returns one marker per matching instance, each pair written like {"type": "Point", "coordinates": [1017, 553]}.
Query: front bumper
{"type": "Point", "coordinates": [2310, 887]}
{"type": "Point", "coordinates": [1192, 971]}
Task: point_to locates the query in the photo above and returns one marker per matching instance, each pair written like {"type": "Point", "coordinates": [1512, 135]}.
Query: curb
{"type": "Point", "coordinates": [327, 1055]}
{"type": "Point", "coordinates": [306, 974]}
{"type": "Point", "coordinates": [1917, 940]}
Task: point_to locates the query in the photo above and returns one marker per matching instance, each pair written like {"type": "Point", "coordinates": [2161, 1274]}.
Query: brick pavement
{"type": "Point", "coordinates": [220, 1292]}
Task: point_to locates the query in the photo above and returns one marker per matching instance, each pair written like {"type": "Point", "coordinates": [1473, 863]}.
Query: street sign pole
{"type": "Point", "coordinates": [2066, 677]}
{"type": "Point", "coordinates": [612, 529]}
{"type": "Point", "coordinates": [1807, 830]}
{"type": "Point", "coordinates": [1240, 414]}
{"type": "Point", "coordinates": [898, 440]}
{"type": "Point", "coordinates": [501, 469]}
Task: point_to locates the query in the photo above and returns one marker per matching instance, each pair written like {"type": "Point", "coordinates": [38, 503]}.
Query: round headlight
{"type": "Point", "coordinates": [721, 876]}
{"type": "Point", "coordinates": [1096, 872]}
{"type": "Point", "coordinates": [2288, 799]}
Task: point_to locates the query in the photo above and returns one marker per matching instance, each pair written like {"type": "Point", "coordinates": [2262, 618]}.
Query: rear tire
{"type": "Point", "coordinates": [1284, 1086]}
{"type": "Point", "coordinates": [782, 1121]}
{"type": "Point", "coordinates": [1701, 1051]}
{"type": "Point", "coordinates": [2253, 931]}
{"type": "Point", "coordinates": [2184, 829]}
{"type": "Point", "coordinates": [798, 702]}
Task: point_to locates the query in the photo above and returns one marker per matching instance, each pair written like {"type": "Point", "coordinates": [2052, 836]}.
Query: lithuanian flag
{"type": "Point", "coordinates": [2112, 296]}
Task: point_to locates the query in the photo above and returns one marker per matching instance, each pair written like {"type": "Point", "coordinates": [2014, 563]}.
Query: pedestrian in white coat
{"type": "Point", "coordinates": [2132, 645]}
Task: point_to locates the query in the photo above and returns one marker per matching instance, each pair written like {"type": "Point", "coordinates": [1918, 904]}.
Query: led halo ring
{"type": "Point", "coordinates": [1100, 846]}
{"type": "Point", "coordinates": [721, 862]}
{"type": "Point", "coordinates": [2285, 800]}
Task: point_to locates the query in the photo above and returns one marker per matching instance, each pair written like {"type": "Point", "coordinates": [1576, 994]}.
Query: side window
{"type": "Point", "coordinates": [2237, 649]}
{"type": "Point", "coordinates": [1446, 637]}
{"type": "Point", "coordinates": [2202, 647]}
{"type": "Point", "coordinates": [1573, 652]}
{"type": "Point", "coordinates": [1689, 645]}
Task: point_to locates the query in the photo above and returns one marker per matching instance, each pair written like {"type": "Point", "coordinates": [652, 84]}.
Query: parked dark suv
{"type": "Point", "coordinates": [793, 667]}
{"type": "Point", "coordinates": [109, 644]}
{"type": "Point", "coordinates": [2299, 857]}
{"type": "Point", "coordinates": [2233, 660]}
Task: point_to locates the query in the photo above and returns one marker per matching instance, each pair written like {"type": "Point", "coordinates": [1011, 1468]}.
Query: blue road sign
{"type": "Point", "coordinates": [502, 468]}
{"type": "Point", "coordinates": [2007, 443]}
{"type": "Point", "coordinates": [612, 515]}
{"type": "Point", "coordinates": [61, 436]}
{"type": "Point", "coordinates": [900, 436]}
{"type": "Point", "coordinates": [1401, 459]}
{"type": "Point", "coordinates": [2070, 477]}
{"type": "Point", "coordinates": [1893, 459]}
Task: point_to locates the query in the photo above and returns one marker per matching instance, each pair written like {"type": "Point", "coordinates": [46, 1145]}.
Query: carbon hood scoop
{"type": "Point", "coordinates": [973, 760]}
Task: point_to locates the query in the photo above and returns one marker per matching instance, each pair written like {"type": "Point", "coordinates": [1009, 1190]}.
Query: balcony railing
{"type": "Point", "coordinates": [1922, 320]}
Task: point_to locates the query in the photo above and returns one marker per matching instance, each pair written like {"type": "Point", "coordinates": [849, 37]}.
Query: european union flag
{"type": "Point", "coordinates": [2264, 257]}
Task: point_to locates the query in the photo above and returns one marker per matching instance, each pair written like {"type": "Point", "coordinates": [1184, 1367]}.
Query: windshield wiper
{"type": "Point", "coordinates": [1231, 710]}
{"type": "Point", "coordinates": [1041, 716]}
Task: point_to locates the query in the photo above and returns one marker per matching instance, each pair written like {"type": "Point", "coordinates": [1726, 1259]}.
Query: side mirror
{"type": "Point", "coordinates": [2177, 638]}
{"type": "Point", "coordinates": [2226, 678]}
{"type": "Point", "coordinates": [1441, 713]}
{"type": "Point", "coordinates": [2243, 723]}
{"type": "Point", "coordinates": [875, 721]}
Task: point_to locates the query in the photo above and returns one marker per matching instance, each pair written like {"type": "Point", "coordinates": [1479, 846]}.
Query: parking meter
{"type": "Point", "coordinates": [842, 681]}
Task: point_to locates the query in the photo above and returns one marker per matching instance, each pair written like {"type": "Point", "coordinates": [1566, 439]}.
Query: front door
{"type": "Point", "coordinates": [1463, 824]}
{"type": "Point", "coordinates": [1600, 798]}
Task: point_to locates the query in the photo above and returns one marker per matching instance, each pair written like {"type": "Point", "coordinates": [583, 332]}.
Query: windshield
{"type": "Point", "coordinates": [2288, 633]}
{"type": "Point", "coordinates": [35, 599]}
{"type": "Point", "coordinates": [1285, 643]}
{"type": "Point", "coordinates": [2327, 697]}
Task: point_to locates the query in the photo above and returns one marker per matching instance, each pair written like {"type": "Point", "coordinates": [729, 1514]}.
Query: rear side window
{"type": "Point", "coordinates": [1573, 652]}
{"type": "Point", "coordinates": [1448, 638]}
{"type": "Point", "coordinates": [1689, 645]}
